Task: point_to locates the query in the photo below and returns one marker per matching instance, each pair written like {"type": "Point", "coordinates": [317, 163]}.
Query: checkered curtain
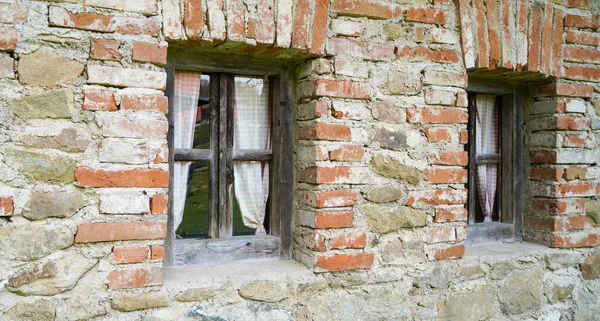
{"type": "Point", "coordinates": [486, 143]}
{"type": "Point", "coordinates": [185, 103]}
{"type": "Point", "coordinates": [252, 130]}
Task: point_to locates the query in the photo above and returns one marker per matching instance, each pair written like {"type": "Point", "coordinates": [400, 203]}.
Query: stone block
{"type": "Point", "coordinates": [40, 310]}
{"type": "Point", "coordinates": [403, 83]}
{"type": "Point", "coordinates": [265, 291]}
{"type": "Point", "coordinates": [56, 203]}
{"type": "Point", "coordinates": [126, 302]}
{"type": "Point", "coordinates": [126, 77]}
{"type": "Point", "coordinates": [122, 151]}
{"type": "Point", "coordinates": [472, 305]}
{"type": "Point", "coordinates": [389, 167]}
{"type": "Point", "coordinates": [384, 193]}
{"type": "Point", "coordinates": [41, 166]}
{"type": "Point", "coordinates": [195, 295]}
{"type": "Point", "coordinates": [51, 104]}
{"type": "Point", "coordinates": [590, 268]}
{"type": "Point", "coordinates": [521, 291]}
{"type": "Point", "coordinates": [47, 68]}
{"type": "Point", "coordinates": [382, 219]}
{"type": "Point", "coordinates": [28, 242]}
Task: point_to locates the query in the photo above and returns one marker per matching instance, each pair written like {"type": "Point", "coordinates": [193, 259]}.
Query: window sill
{"type": "Point", "coordinates": [489, 233]}
{"type": "Point", "coordinates": [238, 273]}
{"type": "Point", "coordinates": [503, 249]}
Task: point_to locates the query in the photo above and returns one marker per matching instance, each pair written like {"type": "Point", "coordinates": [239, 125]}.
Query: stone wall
{"type": "Point", "coordinates": [380, 159]}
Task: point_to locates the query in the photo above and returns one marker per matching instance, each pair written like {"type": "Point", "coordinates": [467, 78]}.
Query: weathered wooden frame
{"type": "Point", "coordinates": [511, 164]}
{"type": "Point", "coordinates": [277, 245]}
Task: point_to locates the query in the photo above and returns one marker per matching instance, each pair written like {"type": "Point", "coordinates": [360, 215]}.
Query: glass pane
{"type": "Point", "coordinates": [195, 209]}
{"type": "Point", "coordinates": [191, 111]}
{"type": "Point", "coordinates": [251, 195]}
{"type": "Point", "coordinates": [252, 114]}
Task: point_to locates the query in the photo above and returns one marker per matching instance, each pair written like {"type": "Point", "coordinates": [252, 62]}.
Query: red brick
{"type": "Point", "coordinates": [582, 38]}
{"type": "Point", "coordinates": [162, 156]}
{"type": "Point", "coordinates": [266, 24]}
{"type": "Point", "coordinates": [451, 252]}
{"type": "Point", "coordinates": [574, 173]}
{"type": "Point", "coordinates": [130, 254]}
{"type": "Point", "coordinates": [542, 157]}
{"type": "Point", "coordinates": [507, 40]}
{"type": "Point", "coordinates": [564, 89]}
{"type": "Point", "coordinates": [361, 49]}
{"type": "Point", "coordinates": [13, 13]}
{"type": "Point", "coordinates": [105, 49]}
{"type": "Point", "coordinates": [447, 176]}
{"type": "Point", "coordinates": [437, 134]}
{"type": "Point", "coordinates": [426, 15]}
{"type": "Point", "coordinates": [301, 24]}
{"type": "Point", "coordinates": [60, 17]}
{"type": "Point", "coordinates": [323, 175]}
{"type": "Point", "coordinates": [426, 54]}
{"type": "Point", "coordinates": [149, 52]}
{"type": "Point", "coordinates": [333, 219]}
{"type": "Point", "coordinates": [324, 131]}
{"type": "Point", "coordinates": [122, 178]}
{"type": "Point", "coordinates": [235, 18]}
{"type": "Point", "coordinates": [569, 241]}
{"type": "Point", "coordinates": [574, 190]}
{"type": "Point", "coordinates": [344, 262]}
{"type": "Point", "coordinates": [464, 136]}
{"type": "Point", "coordinates": [159, 204]}
{"type": "Point", "coordinates": [581, 55]}
{"type": "Point", "coordinates": [193, 19]}
{"type": "Point", "coordinates": [437, 116]}
{"type": "Point", "coordinates": [6, 206]}
{"type": "Point", "coordinates": [127, 128]}
{"type": "Point", "coordinates": [574, 140]}
{"type": "Point", "coordinates": [336, 198]}
{"type": "Point", "coordinates": [134, 278]}
{"type": "Point", "coordinates": [542, 173]}
{"type": "Point", "coordinates": [543, 223]}
{"type": "Point", "coordinates": [484, 59]}
{"type": "Point", "coordinates": [575, 223]}
{"type": "Point", "coordinates": [582, 22]}
{"type": "Point", "coordinates": [145, 102]}
{"type": "Point", "coordinates": [573, 123]}
{"type": "Point", "coordinates": [347, 153]}
{"type": "Point", "coordinates": [348, 241]}
{"type": "Point", "coordinates": [319, 32]}
{"type": "Point", "coordinates": [493, 33]}
{"type": "Point", "coordinates": [438, 234]}
{"type": "Point", "coordinates": [582, 4]}
{"type": "Point", "coordinates": [98, 100]}
{"type": "Point", "coordinates": [534, 46]}
{"type": "Point", "coordinates": [158, 253]}
{"type": "Point", "coordinates": [8, 38]}
{"type": "Point", "coordinates": [557, 43]}
{"type": "Point", "coordinates": [557, 207]}
{"type": "Point", "coordinates": [120, 231]}
{"type": "Point", "coordinates": [453, 214]}
{"type": "Point", "coordinates": [449, 157]}
{"type": "Point", "coordinates": [582, 73]}
{"type": "Point", "coordinates": [442, 196]}
{"type": "Point", "coordinates": [342, 89]}
{"type": "Point", "coordinates": [365, 8]}
{"type": "Point", "coordinates": [546, 39]}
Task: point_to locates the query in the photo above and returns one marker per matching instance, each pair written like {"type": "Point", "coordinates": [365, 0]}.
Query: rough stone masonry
{"type": "Point", "coordinates": [381, 118]}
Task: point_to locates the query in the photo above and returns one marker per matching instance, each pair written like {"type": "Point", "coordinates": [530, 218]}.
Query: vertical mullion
{"type": "Point", "coordinates": [170, 92]}
{"type": "Point", "coordinates": [228, 166]}
{"type": "Point", "coordinates": [224, 228]}
{"type": "Point", "coordinates": [213, 206]}
{"type": "Point", "coordinates": [472, 159]}
{"type": "Point", "coordinates": [506, 170]}
{"type": "Point", "coordinates": [275, 214]}
{"type": "Point", "coordinates": [285, 181]}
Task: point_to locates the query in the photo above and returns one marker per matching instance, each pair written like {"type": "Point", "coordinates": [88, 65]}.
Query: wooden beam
{"type": "Point", "coordinates": [193, 154]}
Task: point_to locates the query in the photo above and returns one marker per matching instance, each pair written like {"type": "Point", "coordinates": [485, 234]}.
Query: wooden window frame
{"type": "Point", "coordinates": [510, 174]}
{"type": "Point", "coordinates": [230, 249]}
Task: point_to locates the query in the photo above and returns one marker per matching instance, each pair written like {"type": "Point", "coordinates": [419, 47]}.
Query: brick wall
{"type": "Point", "coordinates": [381, 116]}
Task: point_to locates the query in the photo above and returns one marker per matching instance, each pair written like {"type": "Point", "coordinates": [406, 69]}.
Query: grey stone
{"type": "Point", "coordinates": [266, 291]}
{"type": "Point", "coordinates": [596, 103]}
{"type": "Point", "coordinates": [592, 210]}
{"type": "Point", "coordinates": [84, 308]}
{"type": "Point", "coordinates": [384, 194]}
{"type": "Point", "coordinates": [590, 269]}
{"type": "Point", "coordinates": [69, 139]}
{"type": "Point", "coordinates": [501, 270]}
{"type": "Point", "coordinates": [561, 293]}
{"type": "Point", "coordinates": [521, 291]}
{"type": "Point", "coordinates": [386, 111]}
{"type": "Point", "coordinates": [28, 242]}
{"type": "Point", "coordinates": [46, 68]}
{"type": "Point", "coordinates": [41, 310]}
{"type": "Point", "coordinates": [248, 312]}
{"type": "Point", "coordinates": [52, 277]}
{"type": "Point", "coordinates": [562, 259]}
{"type": "Point", "coordinates": [595, 124]}
{"type": "Point", "coordinates": [391, 139]}
{"type": "Point", "coordinates": [50, 104]}
{"type": "Point", "coordinates": [41, 166]}
{"type": "Point", "coordinates": [404, 82]}
{"type": "Point", "coordinates": [474, 305]}
{"type": "Point", "coordinates": [383, 219]}
{"type": "Point", "coordinates": [472, 271]}
{"type": "Point", "coordinates": [587, 305]}
{"type": "Point", "coordinates": [192, 295]}
{"type": "Point", "coordinates": [58, 203]}
{"type": "Point", "coordinates": [126, 302]}
{"type": "Point", "coordinates": [386, 166]}
{"type": "Point", "coordinates": [394, 31]}
{"type": "Point", "coordinates": [437, 278]}
{"type": "Point", "coordinates": [404, 249]}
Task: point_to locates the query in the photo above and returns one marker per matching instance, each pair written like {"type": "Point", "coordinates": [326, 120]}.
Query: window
{"type": "Point", "coordinates": [230, 164]}
{"type": "Point", "coordinates": [495, 162]}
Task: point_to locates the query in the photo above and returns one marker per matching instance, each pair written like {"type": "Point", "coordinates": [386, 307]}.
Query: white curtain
{"type": "Point", "coordinates": [486, 143]}
{"type": "Point", "coordinates": [252, 130]}
{"type": "Point", "coordinates": [185, 103]}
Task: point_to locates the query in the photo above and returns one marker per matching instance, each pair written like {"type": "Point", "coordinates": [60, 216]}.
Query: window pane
{"type": "Point", "coordinates": [251, 193]}
{"type": "Point", "coordinates": [195, 204]}
{"type": "Point", "coordinates": [252, 114]}
{"type": "Point", "coordinates": [191, 110]}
